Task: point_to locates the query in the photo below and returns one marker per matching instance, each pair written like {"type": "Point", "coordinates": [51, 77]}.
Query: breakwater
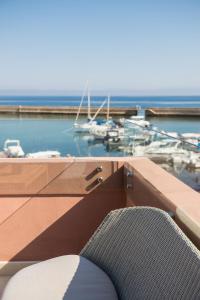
{"type": "Point", "coordinates": [114, 111]}
{"type": "Point", "coordinates": [65, 110]}
{"type": "Point", "coordinates": [173, 112]}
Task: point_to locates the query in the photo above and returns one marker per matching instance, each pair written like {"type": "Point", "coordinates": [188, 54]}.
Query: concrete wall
{"type": "Point", "coordinates": [172, 112]}
{"type": "Point", "coordinates": [65, 110]}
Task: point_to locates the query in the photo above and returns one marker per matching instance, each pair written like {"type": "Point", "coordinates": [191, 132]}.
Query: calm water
{"type": "Point", "coordinates": [38, 133]}
{"type": "Point", "coordinates": [56, 133]}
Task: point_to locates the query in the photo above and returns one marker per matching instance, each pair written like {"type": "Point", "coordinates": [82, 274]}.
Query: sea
{"type": "Point", "coordinates": [116, 101]}
{"type": "Point", "coordinates": [55, 132]}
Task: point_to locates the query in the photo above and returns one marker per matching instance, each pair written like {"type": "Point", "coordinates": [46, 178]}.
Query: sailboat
{"type": "Point", "coordinates": [84, 127]}
{"type": "Point", "coordinates": [91, 121]}
{"type": "Point", "coordinates": [99, 131]}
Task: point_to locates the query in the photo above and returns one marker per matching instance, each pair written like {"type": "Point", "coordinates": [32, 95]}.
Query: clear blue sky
{"type": "Point", "coordinates": [121, 46]}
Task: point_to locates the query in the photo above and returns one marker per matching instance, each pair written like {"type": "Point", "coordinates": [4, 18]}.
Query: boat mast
{"type": "Point", "coordinates": [80, 105]}
{"type": "Point", "coordinates": [89, 110]}
{"type": "Point", "coordinates": [99, 109]}
{"type": "Point", "coordinates": [108, 107]}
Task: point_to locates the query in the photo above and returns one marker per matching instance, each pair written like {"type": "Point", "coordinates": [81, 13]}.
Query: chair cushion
{"type": "Point", "coordinates": [69, 277]}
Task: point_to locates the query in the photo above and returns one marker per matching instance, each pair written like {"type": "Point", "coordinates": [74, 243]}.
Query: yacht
{"type": "Point", "coordinates": [44, 154]}
{"type": "Point", "coordinates": [137, 121]}
{"type": "Point", "coordinates": [12, 148]}
{"type": "Point", "coordinates": [165, 147]}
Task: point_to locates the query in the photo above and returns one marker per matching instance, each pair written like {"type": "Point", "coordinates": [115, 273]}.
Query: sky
{"type": "Point", "coordinates": [120, 46]}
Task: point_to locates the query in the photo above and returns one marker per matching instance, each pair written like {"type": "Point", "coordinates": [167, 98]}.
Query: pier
{"type": "Point", "coordinates": [172, 112]}
{"type": "Point", "coordinates": [65, 110]}
{"type": "Point", "coordinates": [114, 111]}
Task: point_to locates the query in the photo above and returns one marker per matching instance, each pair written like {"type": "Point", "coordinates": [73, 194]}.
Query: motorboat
{"type": "Point", "coordinates": [190, 159]}
{"type": "Point", "coordinates": [114, 139]}
{"type": "Point", "coordinates": [166, 147]}
{"type": "Point", "coordinates": [44, 154]}
{"type": "Point", "coordinates": [169, 134]}
{"type": "Point", "coordinates": [190, 135]}
{"type": "Point", "coordinates": [194, 160]}
{"type": "Point", "coordinates": [114, 135]}
{"type": "Point", "coordinates": [84, 127]}
{"type": "Point", "coordinates": [12, 148]}
{"type": "Point", "coordinates": [137, 121]}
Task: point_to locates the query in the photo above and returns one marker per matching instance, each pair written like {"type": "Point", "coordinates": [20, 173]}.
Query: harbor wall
{"type": "Point", "coordinates": [172, 112]}
{"type": "Point", "coordinates": [65, 110]}
{"type": "Point", "coordinates": [114, 111]}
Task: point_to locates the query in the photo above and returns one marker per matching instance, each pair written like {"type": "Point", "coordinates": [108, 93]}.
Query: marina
{"type": "Point", "coordinates": [99, 184]}
{"type": "Point", "coordinates": [41, 133]}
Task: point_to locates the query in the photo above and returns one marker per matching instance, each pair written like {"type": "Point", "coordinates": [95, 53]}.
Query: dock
{"type": "Point", "coordinates": [65, 110]}
{"type": "Point", "coordinates": [172, 112]}
{"type": "Point", "coordinates": [114, 111]}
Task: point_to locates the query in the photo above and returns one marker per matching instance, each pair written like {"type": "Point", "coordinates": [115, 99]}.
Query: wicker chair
{"type": "Point", "coordinates": [143, 252]}
{"type": "Point", "coordinates": [146, 255]}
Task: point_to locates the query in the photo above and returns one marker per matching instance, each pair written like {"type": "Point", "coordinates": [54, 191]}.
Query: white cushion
{"type": "Point", "coordinates": [69, 277]}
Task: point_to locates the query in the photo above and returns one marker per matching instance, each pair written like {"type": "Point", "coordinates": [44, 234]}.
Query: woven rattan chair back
{"type": "Point", "coordinates": [146, 255]}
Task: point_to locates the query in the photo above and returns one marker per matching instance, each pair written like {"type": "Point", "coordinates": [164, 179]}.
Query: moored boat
{"type": "Point", "coordinates": [44, 154]}
{"type": "Point", "coordinates": [12, 148]}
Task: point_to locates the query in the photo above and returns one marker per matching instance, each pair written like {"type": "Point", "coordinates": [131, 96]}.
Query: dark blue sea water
{"type": "Point", "coordinates": [116, 101]}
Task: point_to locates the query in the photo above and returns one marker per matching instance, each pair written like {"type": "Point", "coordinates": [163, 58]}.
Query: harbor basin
{"type": "Point", "coordinates": [48, 132]}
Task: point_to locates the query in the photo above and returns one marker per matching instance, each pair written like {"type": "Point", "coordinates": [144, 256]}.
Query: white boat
{"type": "Point", "coordinates": [192, 159]}
{"type": "Point", "coordinates": [192, 142]}
{"type": "Point", "coordinates": [114, 135]}
{"type": "Point", "coordinates": [99, 130]}
{"type": "Point", "coordinates": [196, 161]}
{"type": "Point", "coordinates": [168, 134]}
{"type": "Point", "coordinates": [91, 121]}
{"type": "Point", "coordinates": [84, 127]}
{"type": "Point", "coordinates": [44, 154]}
{"type": "Point", "coordinates": [137, 121]}
{"type": "Point", "coordinates": [12, 148]}
{"type": "Point", "coordinates": [190, 135]}
{"type": "Point", "coordinates": [191, 139]}
{"type": "Point", "coordinates": [166, 147]}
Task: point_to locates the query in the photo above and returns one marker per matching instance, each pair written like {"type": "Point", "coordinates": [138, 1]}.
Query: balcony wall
{"type": "Point", "coordinates": [150, 185]}
{"type": "Point", "coordinates": [52, 207]}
